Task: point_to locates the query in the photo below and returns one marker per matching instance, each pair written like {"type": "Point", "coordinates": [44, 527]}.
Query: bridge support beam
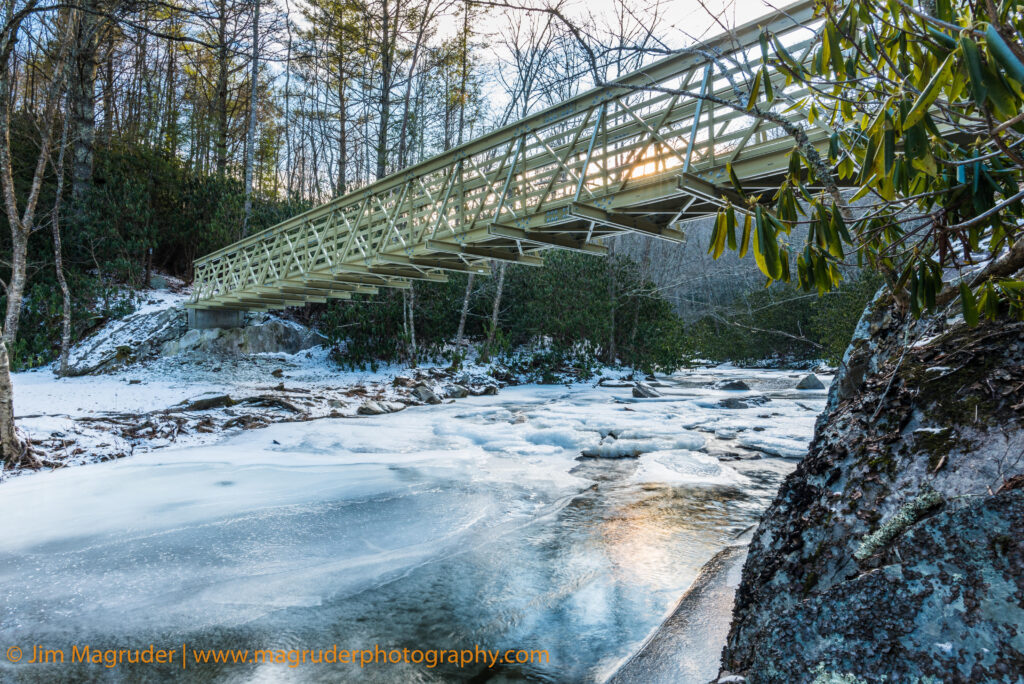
{"type": "Point", "coordinates": [201, 319]}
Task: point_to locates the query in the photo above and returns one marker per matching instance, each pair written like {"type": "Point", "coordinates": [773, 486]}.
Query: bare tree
{"type": "Point", "coordinates": [22, 220]}
{"type": "Point", "coordinates": [58, 255]}
{"type": "Point", "coordinates": [15, 449]}
{"type": "Point", "coordinates": [250, 140]}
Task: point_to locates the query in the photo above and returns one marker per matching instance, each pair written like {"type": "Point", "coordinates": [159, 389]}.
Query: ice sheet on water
{"type": "Point", "coordinates": [623, 448]}
{"type": "Point", "coordinates": [776, 445]}
{"type": "Point", "coordinates": [565, 437]}
{"type": "Point", "coordinates": [460, 515]}
{"type": "Point", "coordinates": [683, 467]}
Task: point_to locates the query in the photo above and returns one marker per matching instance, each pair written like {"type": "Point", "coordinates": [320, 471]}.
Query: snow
{"type": "Point", "coordinates": [478, 520]}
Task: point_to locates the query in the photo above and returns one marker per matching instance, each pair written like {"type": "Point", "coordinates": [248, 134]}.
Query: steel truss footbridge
{"type": "Point", "coordinates": [642, 154]}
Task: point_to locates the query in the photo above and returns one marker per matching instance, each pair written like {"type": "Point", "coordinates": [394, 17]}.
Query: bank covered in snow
{"type": "Point", "coordinates": [381, 494]}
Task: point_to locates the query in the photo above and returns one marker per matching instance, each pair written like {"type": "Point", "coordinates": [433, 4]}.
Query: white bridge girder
{"type": "Point", "coordinates": [637, 155]}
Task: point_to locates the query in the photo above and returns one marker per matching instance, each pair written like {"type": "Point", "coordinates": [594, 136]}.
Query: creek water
{"type": "Point", "coordinates": [476, 523]}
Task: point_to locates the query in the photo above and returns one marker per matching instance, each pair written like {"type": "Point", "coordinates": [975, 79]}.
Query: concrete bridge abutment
{"type": "Point", "coordinates": [202, 319]}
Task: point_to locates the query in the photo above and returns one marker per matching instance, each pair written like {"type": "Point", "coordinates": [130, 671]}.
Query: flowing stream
{"type": "Point", "coordinates": [472, 523]}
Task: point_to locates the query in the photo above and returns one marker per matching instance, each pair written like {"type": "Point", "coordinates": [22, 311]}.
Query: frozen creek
{"type": "Point", "coordinates": [475, 522]}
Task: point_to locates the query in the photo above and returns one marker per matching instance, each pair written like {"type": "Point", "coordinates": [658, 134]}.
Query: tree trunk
{"type": "Point", "coordinates": [108, 95]}
{"type": "Point", "coordinates": [169, 132]}
{"type": "Point", "coordinates": [645, 267]}
{"type": "Point", "coordinates": [82, 100]}
{"type": "Point", "coordinates": [250, 139]}
{"type": "Point", "coordinates": [288, 168]}
{"type": "Point", "coordinates": [342, 127]}
{"type": "Point", "coordinates": [16, 285]}
{"type": "Point", "coordinates": [611, 352]}
{"type": "Point", "coordinates": [465, 310]}
{"type": "Point", "coordinates": [12, 446]}
{"type": "Point", "coordinates": [58, 258]}
{"type": "Point", "coordinates": [222, 88]}
{"type": "Point", "coordinates": [495, 311]}
{"type": "Point", "coordinates": [412, 322]}
{"type": "Point", "coordinates": [403, 135]}
{"type": "Point", "coordinates": [385, 89]}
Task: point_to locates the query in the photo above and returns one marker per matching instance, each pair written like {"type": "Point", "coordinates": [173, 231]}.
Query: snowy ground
{"type": "Point", "coordinates": [565, 518]}
{"type": "Point", "coordinates": [139, 406]}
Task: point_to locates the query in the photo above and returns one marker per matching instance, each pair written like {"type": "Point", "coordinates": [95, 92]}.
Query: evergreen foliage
{"type": "Point", "coordinates": [562, 313]}
{"type": "Point", "coordinates": [145, 209]}
{"type": "Point", "coordinates": [782, 323]}
{"type": "Point", "coordinates": [925, 105]}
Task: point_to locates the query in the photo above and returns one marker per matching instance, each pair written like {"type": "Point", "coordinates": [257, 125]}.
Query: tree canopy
{"type": "Point", "coordinates": [924, 105]}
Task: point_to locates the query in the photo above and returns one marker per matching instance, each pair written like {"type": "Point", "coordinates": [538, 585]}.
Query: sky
{"type": "Point", "coordinates": [683, 20]}
{"type": "Point", "coordinates": [680, 23]}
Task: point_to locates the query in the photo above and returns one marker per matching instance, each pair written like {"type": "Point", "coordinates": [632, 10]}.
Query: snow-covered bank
{"type": "Point", "coordinates": [142, 383]}
{"type": "Point", "coordinates": [478, 521]}
{"type": "Point", "coordinates": [191, 400]}
{"type": "Point", "coordinates": [559, 517]}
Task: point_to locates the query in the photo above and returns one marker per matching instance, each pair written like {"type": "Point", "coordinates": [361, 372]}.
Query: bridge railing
{"type": "Point", "coordinates": [636, 154]}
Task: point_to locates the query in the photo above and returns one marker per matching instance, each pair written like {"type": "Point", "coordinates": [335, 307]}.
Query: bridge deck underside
{"type": "Point", "coordinates": [640, 155]}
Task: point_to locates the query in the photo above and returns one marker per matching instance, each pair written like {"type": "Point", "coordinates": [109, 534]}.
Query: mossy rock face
{"type": "Point", "coordinates": [939, 422]}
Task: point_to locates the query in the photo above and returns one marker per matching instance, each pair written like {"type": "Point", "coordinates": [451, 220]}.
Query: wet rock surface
{"type": "Point", "coordinates": [732, 385]}
{"type": "Point", "coordinates": [748, 402]}
{"type": "Point", "coordinates": [896, 546]}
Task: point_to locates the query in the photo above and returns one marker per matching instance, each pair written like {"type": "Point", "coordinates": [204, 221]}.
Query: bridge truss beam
{"type": "Point", "coordinates": [642, 155]}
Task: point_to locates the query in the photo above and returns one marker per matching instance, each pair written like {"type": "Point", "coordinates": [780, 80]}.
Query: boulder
{"type": "Point", "coordinates": [732, 385]}
{"type": "Point", "coordinates": [745, 403]}
{"type": "Point", "coordinates": [810, 382]}
{"type": "Point", "coordinates": [894, 549]}
{"type": "Point", "coordinates": [425, 394]}
{"type": "Point", "coordinates": [376, 407]}
{"type": "Point", "coordinates": [121, 342]}
{"type": "Point", "coordinates": [207, 403]}
{"type": "Point", "coordinates": [273, 336]}
{"type": "Point", "coordinates": [642, 390]}
{"type": "Point", "coordinates": [371, 408]}
{"type": "Point", "coordinates": [456, 391]}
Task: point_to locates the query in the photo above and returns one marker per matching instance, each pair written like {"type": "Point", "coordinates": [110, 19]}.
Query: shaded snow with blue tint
{"type": "Point", "coordinates": [476, 522]}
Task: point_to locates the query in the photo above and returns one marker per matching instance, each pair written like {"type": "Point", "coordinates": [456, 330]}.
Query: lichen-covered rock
{"type": "Point", "coordinates": [945, 603]}
{"type": "Point", "coordinates": [896, 548]}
